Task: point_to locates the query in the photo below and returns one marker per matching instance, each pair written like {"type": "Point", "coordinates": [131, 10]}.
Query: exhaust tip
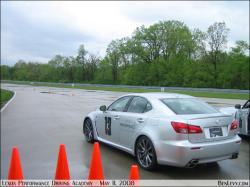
{"type": "Point", "coordinates": [235, 155]}
{"type": "Point", "coordinates": [192, 163]}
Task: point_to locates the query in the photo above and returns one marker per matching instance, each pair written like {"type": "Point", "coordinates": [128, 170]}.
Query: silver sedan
{"type": "Point", "coordinates": [160, 128]}
{"type": "Point", "coordinates": [243, 114]}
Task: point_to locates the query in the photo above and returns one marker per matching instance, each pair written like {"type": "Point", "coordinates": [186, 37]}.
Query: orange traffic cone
{"type": "Point", "coordinates": [15, 169]}
{"type": "Point", "coordinates": [96, 171]}
{"type": "Point", "coordinates": [134, 173]}
{"type": "Point", "coordinates": [62, 168]}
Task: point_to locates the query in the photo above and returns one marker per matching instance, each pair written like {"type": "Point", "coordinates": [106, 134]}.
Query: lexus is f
{"type": "Point", "coordinates": [165, 128]}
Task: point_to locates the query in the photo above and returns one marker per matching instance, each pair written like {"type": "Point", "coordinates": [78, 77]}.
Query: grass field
{"type": "Point", "coordinates": [121, 89]}
{"type": "Point", "coordinates": [5, 96]}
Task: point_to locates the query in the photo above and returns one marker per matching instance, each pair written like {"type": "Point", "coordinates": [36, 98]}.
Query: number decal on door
{"type": "Point", "coordinates": [108, 126]}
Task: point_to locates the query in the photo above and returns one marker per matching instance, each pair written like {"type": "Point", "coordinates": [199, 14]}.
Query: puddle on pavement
{"type": "Point", "coordinates": [48, 92]}
{"type": "Point", "coordinates": [90, 91]}
{"type": "Point", "coordinates": [67, 94]}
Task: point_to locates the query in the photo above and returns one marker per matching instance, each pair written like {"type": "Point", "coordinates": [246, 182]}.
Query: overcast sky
{"type": "Point", "coordinates": [36, 31]}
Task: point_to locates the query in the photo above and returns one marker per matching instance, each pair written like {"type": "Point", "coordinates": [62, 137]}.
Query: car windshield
{"type": "Point", "coordinates": [247, 104]}
{"type": "Point", "coordinates": [183, 106]}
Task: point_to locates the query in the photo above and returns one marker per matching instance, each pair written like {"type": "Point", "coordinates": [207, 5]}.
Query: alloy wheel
{"type": "Point", "coordinates": [88, 130]}
{"type": "Point", "coordinates": [145, 153]}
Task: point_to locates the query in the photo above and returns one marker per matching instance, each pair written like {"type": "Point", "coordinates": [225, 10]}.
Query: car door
{"type": "Point", "coordinates": [244, 118]}
{"type": "Point", "coordinates": [133, 120]}
{"type": "Point", "coordinates": [107, 123]}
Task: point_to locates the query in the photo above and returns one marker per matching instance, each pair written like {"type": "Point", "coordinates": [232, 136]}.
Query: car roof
{"type": "Point", "coordinates": [160, 95]}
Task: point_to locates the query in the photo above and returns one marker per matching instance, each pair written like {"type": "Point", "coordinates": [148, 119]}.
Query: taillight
{"type": "Point", "coordinates": [192, 129]}
{"type": "Point", "coordinates": [234, 124]}
{"type": "Point", "coordinates": [185, 128]}
{"type": "Point", "coordinates": [180, 127]}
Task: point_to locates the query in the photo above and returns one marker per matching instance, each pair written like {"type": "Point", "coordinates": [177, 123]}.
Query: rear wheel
{"type": "Point", "coordinates": [145, 153]}
{"type": "Point", "coordinates": [88, 130]}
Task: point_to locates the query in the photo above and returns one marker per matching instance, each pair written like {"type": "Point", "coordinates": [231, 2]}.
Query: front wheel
{"type": "Point", "coordinates": [88, 130]}
{"type": "Point", "coordinates": [145, 153]}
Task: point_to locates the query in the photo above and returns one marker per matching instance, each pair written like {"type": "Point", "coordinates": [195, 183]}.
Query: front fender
{"type": "Point", "coordinates": [92, 116]}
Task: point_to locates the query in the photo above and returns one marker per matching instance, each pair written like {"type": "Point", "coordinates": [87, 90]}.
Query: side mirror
{"type": "Point", "coordinates": [237, 106]}
{"type": "Point", "coordinates": [103, 108]}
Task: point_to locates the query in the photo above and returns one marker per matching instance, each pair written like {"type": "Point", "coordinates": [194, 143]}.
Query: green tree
{"type": "Point", "coordinates": [217, 40]}
{"type": "Point", "coordinates": [113, 56]}
{"type": "Point", "coordinates": [81, 60]}
{"type": "Point", "coordinates": [166, 53]}
{"type": "Point", "coordinates": [6, 73]}
{"type": "Point", "coordinates": [103, 74]}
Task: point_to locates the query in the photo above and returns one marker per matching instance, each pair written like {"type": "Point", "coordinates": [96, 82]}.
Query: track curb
{"type": "Point", "coordinates": [12, 98]}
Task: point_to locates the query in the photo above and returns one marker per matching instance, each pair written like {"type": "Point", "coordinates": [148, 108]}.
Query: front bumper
{"type": "Point", "coordinates": [180, 153]}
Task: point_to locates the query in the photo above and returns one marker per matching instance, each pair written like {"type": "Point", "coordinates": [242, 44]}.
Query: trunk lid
{"type": "Point", "coordinates": [214, 127]}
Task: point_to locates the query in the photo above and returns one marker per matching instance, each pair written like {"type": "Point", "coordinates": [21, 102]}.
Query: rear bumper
{"type": "Point", "coordinates": [180, 153]}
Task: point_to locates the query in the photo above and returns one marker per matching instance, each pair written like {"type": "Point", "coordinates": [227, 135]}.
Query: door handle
{"type": "Point", "coordinates": [140, 120]}
{"type": "Point", "coordinates": [116, 117]}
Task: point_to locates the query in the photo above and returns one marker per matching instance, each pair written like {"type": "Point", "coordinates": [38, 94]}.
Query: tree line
{"type": "Point", "coordinates": [167, 53]}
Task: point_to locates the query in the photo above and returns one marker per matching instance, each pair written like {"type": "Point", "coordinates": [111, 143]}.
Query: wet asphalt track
{"type": "Point", "coordinates": [39, 119]}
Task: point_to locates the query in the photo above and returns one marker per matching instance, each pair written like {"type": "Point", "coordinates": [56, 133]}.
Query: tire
{"type": "Point", "coordinates": [88, 130]}
{"type": "Point", "coordinates": [145, 153]}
